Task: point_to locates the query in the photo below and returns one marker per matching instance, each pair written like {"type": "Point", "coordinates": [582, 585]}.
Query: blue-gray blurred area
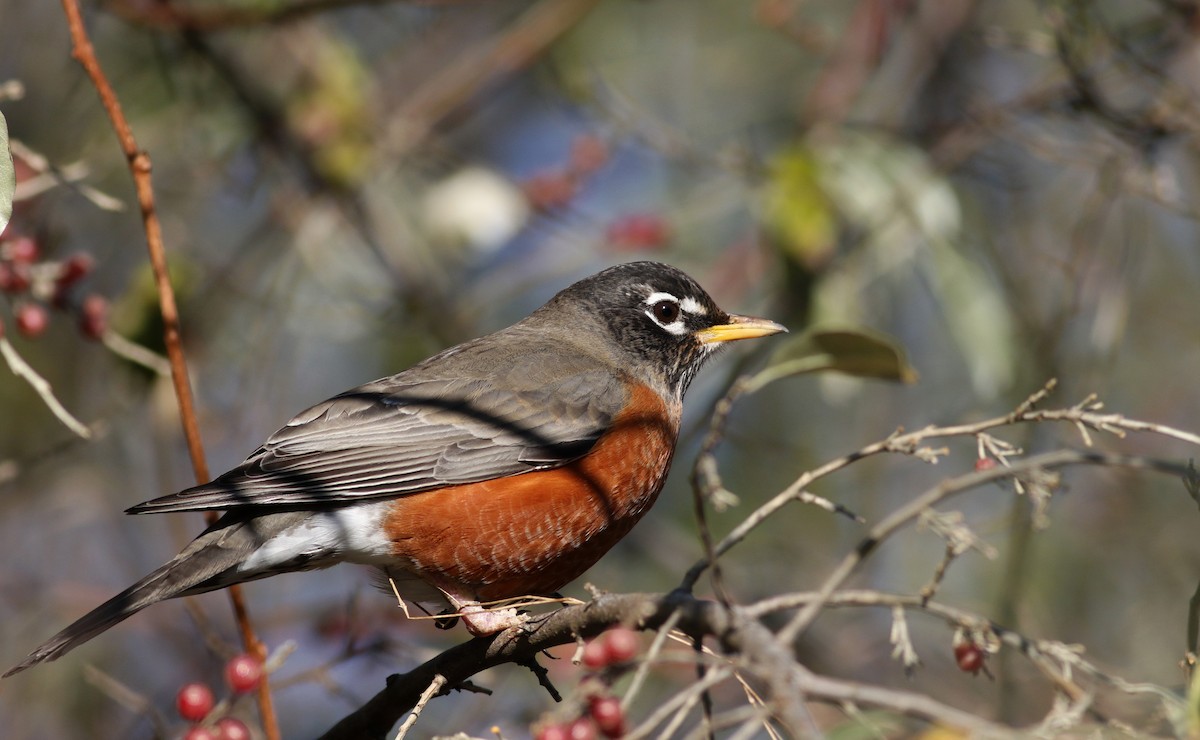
{"type": "Point", "coordinates": [1008, 189]}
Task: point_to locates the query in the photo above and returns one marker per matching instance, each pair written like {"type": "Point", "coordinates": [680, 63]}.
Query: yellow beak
{"type": "Point", "coordinates": [739, 327]}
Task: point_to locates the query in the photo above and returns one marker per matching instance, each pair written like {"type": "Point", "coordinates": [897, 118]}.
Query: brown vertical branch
{"type": "Point", "coordinates": [139, 166]}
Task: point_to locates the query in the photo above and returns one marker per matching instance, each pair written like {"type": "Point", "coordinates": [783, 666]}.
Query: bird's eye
{"type": "Point", "coordinates": [666, 312]}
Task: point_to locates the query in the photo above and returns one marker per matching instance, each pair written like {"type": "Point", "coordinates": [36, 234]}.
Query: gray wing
{"type": "Point", "coordinates": [396, 437]}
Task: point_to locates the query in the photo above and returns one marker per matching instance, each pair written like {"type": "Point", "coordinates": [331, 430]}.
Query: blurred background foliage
{"type": "Point", "coordinates": [1007, 188]}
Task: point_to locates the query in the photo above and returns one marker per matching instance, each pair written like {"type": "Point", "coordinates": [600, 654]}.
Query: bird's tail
{"type": "Point", "coordinates": [210, 562]}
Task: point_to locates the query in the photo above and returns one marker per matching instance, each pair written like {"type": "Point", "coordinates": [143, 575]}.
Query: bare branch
{"type": "Point", "coordinates": [786, 683]}
{"type": "Point", "coordinates": [906, 514]}
{"type": "Point", "coordinates": [434, 689]}
{"type": "Point", "coordinates": [132, 700]}
{"type": "Point", "coordinates": [42, 387]}
{"type": "Point", "coordinates": [911, 443]}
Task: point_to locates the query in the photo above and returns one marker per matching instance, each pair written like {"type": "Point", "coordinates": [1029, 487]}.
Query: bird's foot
{"type": "Point", "coordinates": [480, 621]}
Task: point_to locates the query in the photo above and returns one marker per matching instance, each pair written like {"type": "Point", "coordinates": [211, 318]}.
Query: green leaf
{"type": "Point", "coordinates": [8, 181]}
{"type": "Point", "coordinates": [861, 353]}
{"type": "Point", "coordinates": [796, 209]}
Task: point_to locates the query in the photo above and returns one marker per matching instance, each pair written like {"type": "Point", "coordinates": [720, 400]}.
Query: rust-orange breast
{"type": "Point", "coordinates": [534, 533]}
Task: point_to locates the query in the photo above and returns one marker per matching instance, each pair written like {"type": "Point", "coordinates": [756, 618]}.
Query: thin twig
{"type": "Point", "coordinates": [50, 176]}
{"type": "Point", "coordinates": [135, 353]}
{"type": "Point", "coordinates": [682, 713]}
{"type": "Point", "coordinates": [140, 167]}
{"type": "Point", "coordinates": [127, 697]}
{"type": "Point", "coordinates": [182, 17]}
{"type": "Point", "coordinates": [929, 590]}
{"type": "Point", "coordinates": [752, 695]}
{"type": "Point", "coordinates": [543, 676]}
{"type": "Point", "coordinates": [706, 484]}
{"type": "Point", "coordinates": [445, 91]}
{"type": "Point", "coordinates": [911, 704]}
{"type": "Point", "coordinates": [643, 669]}
{"type": "Point", "coordinates": [785, 685]}
{"type": "Point", "coordinates": [42, 387]}
{"type": "Point", "coordinates": [913, 443]}
{"type": "Point", "coordinates": [1048, 656]}
{"type": "Point", "coordinates": [682, 701]}
{"type": "Point", "coordinates": [953, 486]}
{"type": "Point", "coordinates": [435, 687]}
{"type": "Point", "coordinates": [1193, 622]}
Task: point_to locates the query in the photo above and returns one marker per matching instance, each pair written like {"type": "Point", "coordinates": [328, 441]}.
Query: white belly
{"type": "Point", "coordinates": [351, 534]}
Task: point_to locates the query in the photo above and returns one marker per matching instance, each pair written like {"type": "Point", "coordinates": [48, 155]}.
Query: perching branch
{"type": "Point", "coordinates": [745, 641]}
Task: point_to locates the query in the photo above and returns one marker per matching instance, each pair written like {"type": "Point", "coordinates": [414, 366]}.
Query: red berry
{"type": "Point", "coordinates": [595, 653]}
{"type": "Point", "coordinates": [93, 316]}
{"type": "Point", "coordinates": [581, 729]}
{"type": "Point", "coordinates": [609, 717]}
{"type": "Point", "coordinates": [552, 732]}
{"type": "Point", "coordinates": [638, 230]}
{"type": "Point", "coordinates": [969, 657]}
{"type": "Point", "coordinates": [243, 673]}
{"type": "Point", "coordinates": [985, 463]}
{"type": "Point", "coordinates": [32, 319]}
{"type": "Point", "coordinates": [14, 278]}
{"type": "Point", "coordinates": [194, 701]}
{"type": "Point", "coordinates": [549, 190]}
{"type": "Point", "coordinates": [200, 732]}
{"type": "Point", "coordinates": [22, 250]}
{"type": "Point", "coordinates": [622, 643]}
{"type": "Point", "coordinates": [75, 267]}
{"type": "Point", "coordinates": [230, 728]}
{"type": "Point", "coordinates": [588, 154]}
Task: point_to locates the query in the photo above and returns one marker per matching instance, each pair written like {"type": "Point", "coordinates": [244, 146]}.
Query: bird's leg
{"type": "Point", "coordinates": [447, 619]}
{"type": "Point", "coordinates": [480, 621]}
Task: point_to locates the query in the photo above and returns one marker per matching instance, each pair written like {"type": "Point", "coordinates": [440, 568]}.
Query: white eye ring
{"type": "Point", "coordinates": [657, 302]}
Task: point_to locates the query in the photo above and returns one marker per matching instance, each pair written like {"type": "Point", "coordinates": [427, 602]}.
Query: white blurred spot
{"type": "Point", "coordinates": [475, 207]}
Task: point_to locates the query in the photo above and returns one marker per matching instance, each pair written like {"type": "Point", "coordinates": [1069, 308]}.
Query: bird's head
{"type": "Point", "coordinates": [658, 318]}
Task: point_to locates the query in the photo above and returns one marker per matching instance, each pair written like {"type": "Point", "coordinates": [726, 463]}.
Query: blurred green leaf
{"type": "Point", "coordinates": [8, 181]}
{"type": "Point", "coordinates": [857, 352]}
{"type": "Point", "coordinates": [332, 113]}
{"type": "Point", "coordinates": [977, 314]}
{"type": "Point", "coordinates": [867, 726]}
{"type": "Point", "coordinates": [797, 211]}
{"type": "Point", "coordinates": [909, 214]}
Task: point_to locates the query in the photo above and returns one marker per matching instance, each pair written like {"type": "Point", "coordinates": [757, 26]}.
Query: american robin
{"type": "Point", "coordinates": [503, 467]}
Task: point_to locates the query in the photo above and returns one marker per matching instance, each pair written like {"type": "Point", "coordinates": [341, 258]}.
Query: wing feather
{"type": "Point", "coordinates": [408, 433]}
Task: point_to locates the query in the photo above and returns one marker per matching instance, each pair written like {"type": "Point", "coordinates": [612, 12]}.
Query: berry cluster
{"type": "Point", "coordinates": [36, 285]}
{"type": "Point", "coordinates": [617, 646]}
{"type": "Point", "coordinates": [638, 231]}
{"type": "Point", "coordinates": [197, 704]}
{"type": "Point", "coordinates": [555, 188]}
{"type": "Point", "coordinates": [602, 714]}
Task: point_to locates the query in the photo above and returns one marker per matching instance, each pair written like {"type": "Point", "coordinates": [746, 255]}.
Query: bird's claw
{"type": "Point", "coordinates": [480, 621]}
